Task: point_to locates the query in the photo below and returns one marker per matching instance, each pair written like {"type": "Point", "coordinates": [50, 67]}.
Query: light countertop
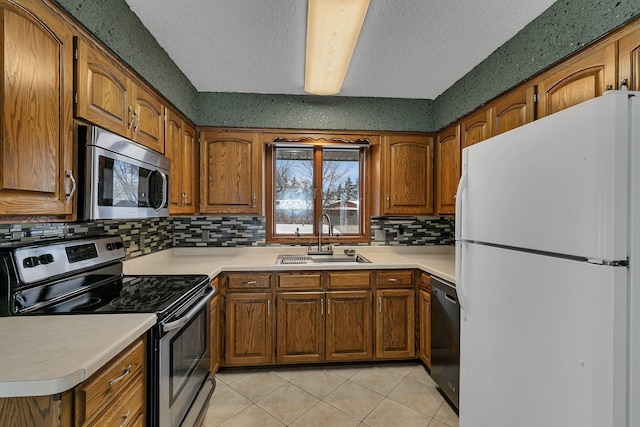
{"type": "Point", "coordinates": [436, 260]}
{"type": "Point", "coordinates": [44, 355]}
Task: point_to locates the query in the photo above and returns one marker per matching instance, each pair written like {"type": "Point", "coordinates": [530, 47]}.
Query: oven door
{"type": "Point", "coordinates": [184, 363]}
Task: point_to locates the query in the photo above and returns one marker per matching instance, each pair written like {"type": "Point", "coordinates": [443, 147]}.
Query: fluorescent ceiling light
{"type": "Point", "coordinates": [333, 27]}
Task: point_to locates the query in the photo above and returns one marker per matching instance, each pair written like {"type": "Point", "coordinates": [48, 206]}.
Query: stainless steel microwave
{"type": "Point", "coordinates": [122, 179]}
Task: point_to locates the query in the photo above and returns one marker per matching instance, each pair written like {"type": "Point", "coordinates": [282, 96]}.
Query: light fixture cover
{"type": "Point", "coordinates": [333, 27]}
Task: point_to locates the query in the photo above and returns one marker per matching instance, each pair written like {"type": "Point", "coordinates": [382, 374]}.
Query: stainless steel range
{"type": "Point", "coordinates": [85, 276]}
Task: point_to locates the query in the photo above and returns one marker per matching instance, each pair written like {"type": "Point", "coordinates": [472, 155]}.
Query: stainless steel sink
{"type": "Point", "coordinates": [321, 259]}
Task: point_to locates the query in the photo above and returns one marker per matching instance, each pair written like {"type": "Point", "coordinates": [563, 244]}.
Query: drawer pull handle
{"type": "Point", "coordinates": [125, 418]}
{"type": "Point", "coordinates": [379, 304]}
{"type": "Point", "coordinates": [251, 282]}
{"type": "Point", "coordinates": [392, 280]}
{"type": "Point", "coordinates": [121, 377]}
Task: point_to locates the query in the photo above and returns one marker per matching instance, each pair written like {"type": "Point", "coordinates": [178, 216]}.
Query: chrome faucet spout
{"type": "Point", "coordinates": [320, 224]}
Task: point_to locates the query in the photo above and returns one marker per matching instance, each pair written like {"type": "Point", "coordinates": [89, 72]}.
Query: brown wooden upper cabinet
{"type": "Point", "coordinates": [583, 77]}
{"type": "Point", "coordinates": [108, 96]}
{"type": "Point", "coordinates": [36, 149]}
{"type": "Point", "coordinates": [447, 169]}
{"type": "Point", "coordinates": [406, 164]}
{"type": "Point", "coordinates": [476, 127]}
{"type": "Point", "coordinates": [629, 60]}
{"type": "Point", "coordinates": [182, 149]}
{"type": "Point", "coordinates": [512, 110]}
{"type": "Point", "coordinates": [230, 172]}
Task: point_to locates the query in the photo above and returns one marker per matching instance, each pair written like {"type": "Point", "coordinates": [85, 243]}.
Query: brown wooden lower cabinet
{"type": "Point", "coordinates": [37, 411]}
{"type": "Point", "coordinates": [395, 323]}
{"type": "Point", "coordinates": [425, 327]}
{"type": "Point", "coordinates": [324, 326]}
{"type": "Point", "coordinates": [249, 323]}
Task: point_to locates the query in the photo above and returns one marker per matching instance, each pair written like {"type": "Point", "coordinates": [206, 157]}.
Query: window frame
{"type": "Point", "coordinates": [309, 239]}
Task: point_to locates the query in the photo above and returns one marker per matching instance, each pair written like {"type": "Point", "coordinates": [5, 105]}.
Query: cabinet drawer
{"type": "Point", "coordinates": [395, 278]}
{"type": "Point", "coordinates": [126, 410]}
{"type": "Point", "coordinates": [93, 395]}
{"type": "Point", "coordinates": [300, 281]}
{"type": "Point", "coordinates": [350, 279]}
{"type": "Point", "coordinates": [425, 282]}
{"type": "Point", "coordinates": [249, 281]}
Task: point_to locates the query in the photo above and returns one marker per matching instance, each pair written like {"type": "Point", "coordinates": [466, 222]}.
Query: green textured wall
{"type": "Point", "coordinates": [564, 28]}
{"type": "Point", "coordinates": [314, 112]}
{"type": "Point", "coordinates": [113, 23]}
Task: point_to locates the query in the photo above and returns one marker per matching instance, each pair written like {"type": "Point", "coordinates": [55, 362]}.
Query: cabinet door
{"type": "Point", "coordinates": [349, 326]}
{"type": "Point", "coordinates": [231, 172]}
{"type": "Point", "coordinates": [425, 327]}
{"type": "Point", "coordinates": [579, 79]}
{"type": "Point", "coordinates": [395, 324]}
{"type": "Point", "coordinates": [189, 171]}
{"type": "Point", "coordinates": [36, 150]}
{"type": "Point", "coordinates": [476, 127]}
{"type": "Point", "coordinates": [148, 126]}
{"type": "Point", "coordinates": [629, 60]}
{"type": "Point", "coordinates": [447, 169]}
{"type": "Point", "coordinates": [103, 90]}
{"type": "Point", "coordinates": [512, 110]}
{"type": "Point", "coordinates": [300, 327]}
{"type": "Point", "coordinates": [407, 174]}
{"type": "Point", "coordinates": [216, 333]}
{"type": "Point", "coordinates": [173, 139]}
{"type": "Point", "coordinates": [249, 329]}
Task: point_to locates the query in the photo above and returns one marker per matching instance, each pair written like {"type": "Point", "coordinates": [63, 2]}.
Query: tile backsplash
{"type": "Point", "coordinates": [140, 237]}
{"type": "Point", "coordinates": [250, 231]}
{"type": "Point", "coordinates": [146, 236]}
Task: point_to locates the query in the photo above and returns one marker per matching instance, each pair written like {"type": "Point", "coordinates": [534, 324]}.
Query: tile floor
{"type": "Point", "coordinates": [382, 395]}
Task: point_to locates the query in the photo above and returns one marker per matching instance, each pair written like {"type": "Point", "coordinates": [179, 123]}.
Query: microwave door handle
{"type": "Point", "coordinates": [190, 315]}
{"type": "Point", "coordinates": [164, 191]}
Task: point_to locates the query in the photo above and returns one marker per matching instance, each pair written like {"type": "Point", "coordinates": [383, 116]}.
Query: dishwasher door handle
{"type": "Point", "coordinates": [451, 299]}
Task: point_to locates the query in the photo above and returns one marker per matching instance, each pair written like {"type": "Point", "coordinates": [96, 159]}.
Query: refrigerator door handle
{"type": "Point", "coordinates": [462, 187]}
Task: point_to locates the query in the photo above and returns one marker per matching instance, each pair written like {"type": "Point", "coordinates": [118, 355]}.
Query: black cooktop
{"type": "Point", "coordinates": [120, 294]}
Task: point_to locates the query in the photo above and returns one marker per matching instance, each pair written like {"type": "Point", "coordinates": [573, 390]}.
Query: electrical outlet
{"type": "Point", "coordinates": [379, 235]}
{"type": "Point", "coordinates": [205, 236]}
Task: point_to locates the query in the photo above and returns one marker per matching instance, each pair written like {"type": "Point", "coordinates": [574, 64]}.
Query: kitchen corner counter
{"type": "Point", "coordinates": [45, 355]}
{"type": "Point", "coordinates": [436, 260]}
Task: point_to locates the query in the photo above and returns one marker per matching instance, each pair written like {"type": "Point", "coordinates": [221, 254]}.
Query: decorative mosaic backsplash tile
{"type": "Point", "coordinates": [251, 231]}
{"type": "Point", "coordinates": [412, 231]}
{"type": "Point", "coordinates": [140, 237]}
{"type": "Point", "coordinates": [219, 231]}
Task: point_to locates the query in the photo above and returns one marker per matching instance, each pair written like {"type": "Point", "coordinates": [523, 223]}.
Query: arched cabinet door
{"type": "Point", "coordinates": [629, 60]}
{"type": "Point", "coordinates": [579, 79]}
{"type": "Point", "coordinates": [36, 152]}
{"type": "Point", "coordinates": [231, 172]}
{"type": "Point", "coordinates": [447, 169]}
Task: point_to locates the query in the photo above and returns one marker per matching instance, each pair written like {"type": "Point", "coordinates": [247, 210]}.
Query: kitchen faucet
{"type": "Point", "coordinates": [320, 251]}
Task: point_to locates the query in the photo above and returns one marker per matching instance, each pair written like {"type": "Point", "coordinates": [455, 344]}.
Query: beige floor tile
{"type": "Point", "coordinates": [288, 374]}
{"type": "Point", "coordinates": [252, 416]}
{"type": "Point", "coordinates": [354, 399]}
{"type": "Point", "coordinates": [288, 403]}
{"type": "Point", "coordinates": [420, 374]}
{"type": "Point", "coordinates": [418, 396]}
{"type": "Point", "coordinates": [231, 376]}
{"type": "Point", "coordinates": [224, 404]}
{"type": "Point", "coordinates": [436, 423]}
{"type": "Point", "coordinates": [377, 379]}
{"type": "Point", "coordinates": [318, 382]}
{"type": "Point", "coordinates": [390, 413]}
{"type": "Point", "coordinates": [446, 415]}
{"type": "Point", "coordinates": [346, 371]}
{"type": "Point", "coordinates": [257, 385]}
{"type": "Point", "coordinates": [403, 369]}
{"type": "Point", "coordinates": [325, 415]}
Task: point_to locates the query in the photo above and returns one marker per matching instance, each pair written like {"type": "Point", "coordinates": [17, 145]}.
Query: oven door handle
{"type": "Point", "coordinates": [190, 315]}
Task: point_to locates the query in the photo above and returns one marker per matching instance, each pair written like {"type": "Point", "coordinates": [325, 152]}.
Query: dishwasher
{"type": "Point", "coordinates": [445, 338]}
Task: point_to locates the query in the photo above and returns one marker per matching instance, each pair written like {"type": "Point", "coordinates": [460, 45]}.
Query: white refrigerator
{"type": "Point", "coordinates": [547, 239]}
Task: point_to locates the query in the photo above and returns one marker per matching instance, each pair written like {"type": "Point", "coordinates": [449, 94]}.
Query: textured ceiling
{"type": "Point", "coordinates": [407, 48]}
